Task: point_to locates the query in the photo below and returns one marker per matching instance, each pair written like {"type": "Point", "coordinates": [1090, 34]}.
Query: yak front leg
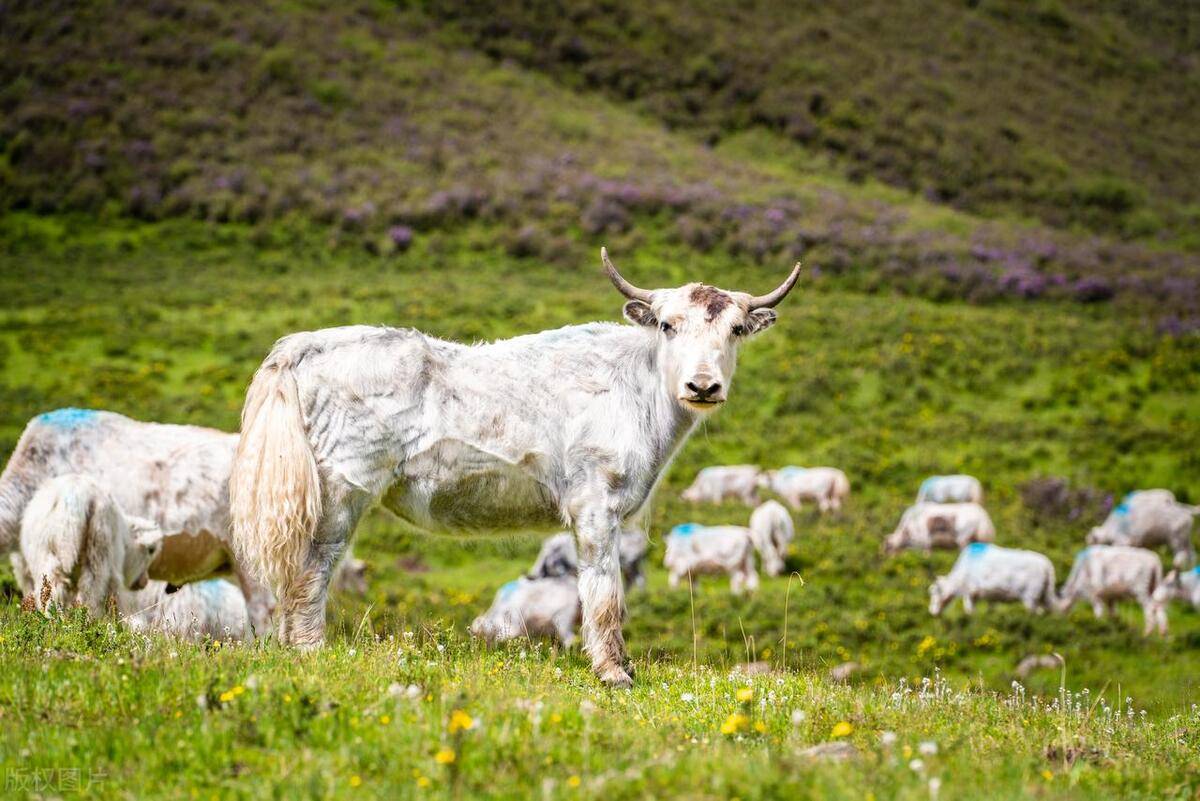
{"type": "Point", "coordinates": [601, 593]}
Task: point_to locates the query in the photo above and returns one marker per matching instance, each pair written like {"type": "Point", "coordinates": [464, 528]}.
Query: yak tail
{"type": "Point", "coordinates": [1191, 509]}
{"type": "Point", "coordinates": [275, 489]}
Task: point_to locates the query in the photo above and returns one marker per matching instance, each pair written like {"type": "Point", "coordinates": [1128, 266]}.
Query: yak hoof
{"type": "Point", "coordinates": [615, 677]}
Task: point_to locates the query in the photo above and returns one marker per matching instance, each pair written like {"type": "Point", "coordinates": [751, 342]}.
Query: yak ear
{"type": "Point", "coordinates": [640, 313]}
{"type": "Point", "coordinates": [760, 320]}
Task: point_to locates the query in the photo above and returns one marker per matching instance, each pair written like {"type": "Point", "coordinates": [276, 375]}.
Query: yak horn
{"type": "Point", "coordinates": [780, 292]}
{"type": "Point", "coordinates": [624, 287]}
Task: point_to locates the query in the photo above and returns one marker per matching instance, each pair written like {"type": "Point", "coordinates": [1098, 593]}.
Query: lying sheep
{"type": "Point", "coordinates": [828, 487]}
{"type": "Point", "coordinates": [717, 483]}
{"type": "Point", "coordinates": [77, 547]}
{"type": "Point", "coordinates": [694, 550]}
{"type": "Point", "coordinates": [989, 572]}
{"type": "Point", "coordinates": [772, 530]}
{"type": "Point", "coordinates": [1103, 574]}
{"type": "Point", "coordinates": [950, 489]}
{"type": "Point", "coordinates": [544, 607]}
{"type": "Point", "coordinates": [925, 526]}
{"type": "Point", "coordinates": [1147, 519]}
{"type": "Point", "coordinates": [213, 609]}
{"type": "Point", "coordinates": [558, 557]}
{"type": "Point", "coordinates": [1180, 585]}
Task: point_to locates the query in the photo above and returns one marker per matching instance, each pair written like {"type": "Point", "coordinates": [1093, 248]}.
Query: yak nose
{"type": "Point", "coordinates": [702, 388]}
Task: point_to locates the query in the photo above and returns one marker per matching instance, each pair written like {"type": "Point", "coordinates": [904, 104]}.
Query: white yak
{"type": "Point", "coordinates": [573, 425]}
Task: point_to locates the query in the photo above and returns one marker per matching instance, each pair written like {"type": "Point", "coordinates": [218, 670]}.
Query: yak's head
{"type": "Point", "coordinates": [699, 328]}
{"type": "Point", "coordinates": [141, 548]}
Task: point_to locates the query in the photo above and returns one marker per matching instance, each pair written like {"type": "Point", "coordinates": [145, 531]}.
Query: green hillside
{"type": "Point", "coordinates": [1074, 113]}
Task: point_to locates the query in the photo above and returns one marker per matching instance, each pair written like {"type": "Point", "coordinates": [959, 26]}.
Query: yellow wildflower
{"type": "Point", "coordinates": [225, 697]}
{"type": "Point", "coordinates": [1047, 775]}
{"type": "Point", "coordinates": [460, 721]}
{"type": "Point", "coordinates": [735, 723]}
{"type": "Point", "coordinates": [573, 781]}
{"type": "Point", "coordinates": [445, 757]}
{"type": "Point", "coordinates": [355, 780]}
{"type": "Point", "coordinates": [745, 694]}
{"type": "Point", "coordinates": [841, 729]}
{"type": "Point", "coordinates": [759, 726]}
{"type": "Point", "coordinates": [423, 782]}
{"type": "Point", "coordinates": [556, 718]}
{"type": "Point", "coordinates": [385, 719]}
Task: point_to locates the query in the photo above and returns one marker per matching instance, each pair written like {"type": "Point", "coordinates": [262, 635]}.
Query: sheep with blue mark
{"type": "Point", "coordinates": [1104, 574]}
{"type": "Point", "coordinates": [827, 487]}
{"type": "Point", "coordinates": [988, 572]}
{"type": "Point", "coordinates": [694, 550]}
{"type": "Point", "coordinates": [204, 610]}
{"type": "Point", "coordinates": [950, 489]}
{"type": "Point", "coordinates": [543, 607]}
{"type": "Point", "coordinates": [1149, 519]}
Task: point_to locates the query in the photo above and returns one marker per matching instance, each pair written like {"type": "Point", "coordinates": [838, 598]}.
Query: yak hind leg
{"type": "Point", "coordinates": [302, 602]}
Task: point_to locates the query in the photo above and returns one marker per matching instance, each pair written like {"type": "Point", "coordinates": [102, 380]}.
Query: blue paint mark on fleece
{"type": "Point", "coordinates": [210, 588]}
{"type": "Point", "coordinates": [792, 470]}
{"type": "Point", "coordinates": [1196, 570]}
{"type": "Point", "coordinates": [685, 529]}
{"type": "Point", "coordinates": [976, 549]}
{"type": "Point", "coordinates": [67, 418]}
{"type": "Point", "coordinates": [1122, 508]}
{"type": "Point", "coordinates": [1082, 554]}
{"type": "Point", "coordinates": [509, 588]}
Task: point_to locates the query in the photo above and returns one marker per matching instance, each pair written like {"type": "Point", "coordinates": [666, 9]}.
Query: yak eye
{"type": "Point", "coordinates": [739, 330]}
{"type": "Point", "coordinates": [666, 327]}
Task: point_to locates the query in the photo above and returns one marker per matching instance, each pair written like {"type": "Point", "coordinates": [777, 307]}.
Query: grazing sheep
{"type": "Point", "coordinates": [213, 609]}
{"type": "Point", "coordinates": [77, 547]}
{"type": "Point", "coordinates": [1180, 585]}
{"type": "Point", "coordinates": [1104, 573]}
{"type": "Point", "coordinates": [544, 607]}
{"type": "Point", "coordinates": [559, 557]}
{"type": "Point", "coordinates": [827, 486]}
{"type": "Point", "coordinates": [950, 489]}
{"type": "Point", "coordinates": [925, 526]}
{"type": "Point", "coordinates": [694, 550]}
{"type": "Point", "coordinates": [720, 482]}
{"type": "Point", "coordinates": [772, 530]}
{"type": "Point", "coordinates": [1037, 662]}
{"type": "Point", "coordinates": [1147, 519]}
{"type": "Point", "coordinates": [995, 574]}
{"type": "Point", "coordinates": [174, 475]}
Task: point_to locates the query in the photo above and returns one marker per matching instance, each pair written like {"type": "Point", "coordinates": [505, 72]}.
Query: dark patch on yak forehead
{"type": "Point", "coordinates": [712, 299]}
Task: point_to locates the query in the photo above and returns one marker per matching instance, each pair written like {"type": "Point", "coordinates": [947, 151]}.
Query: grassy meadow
{"type": "Point", "coordinates": [167, 321]}
{"type": "Point", "coordinates": [996, 206]}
